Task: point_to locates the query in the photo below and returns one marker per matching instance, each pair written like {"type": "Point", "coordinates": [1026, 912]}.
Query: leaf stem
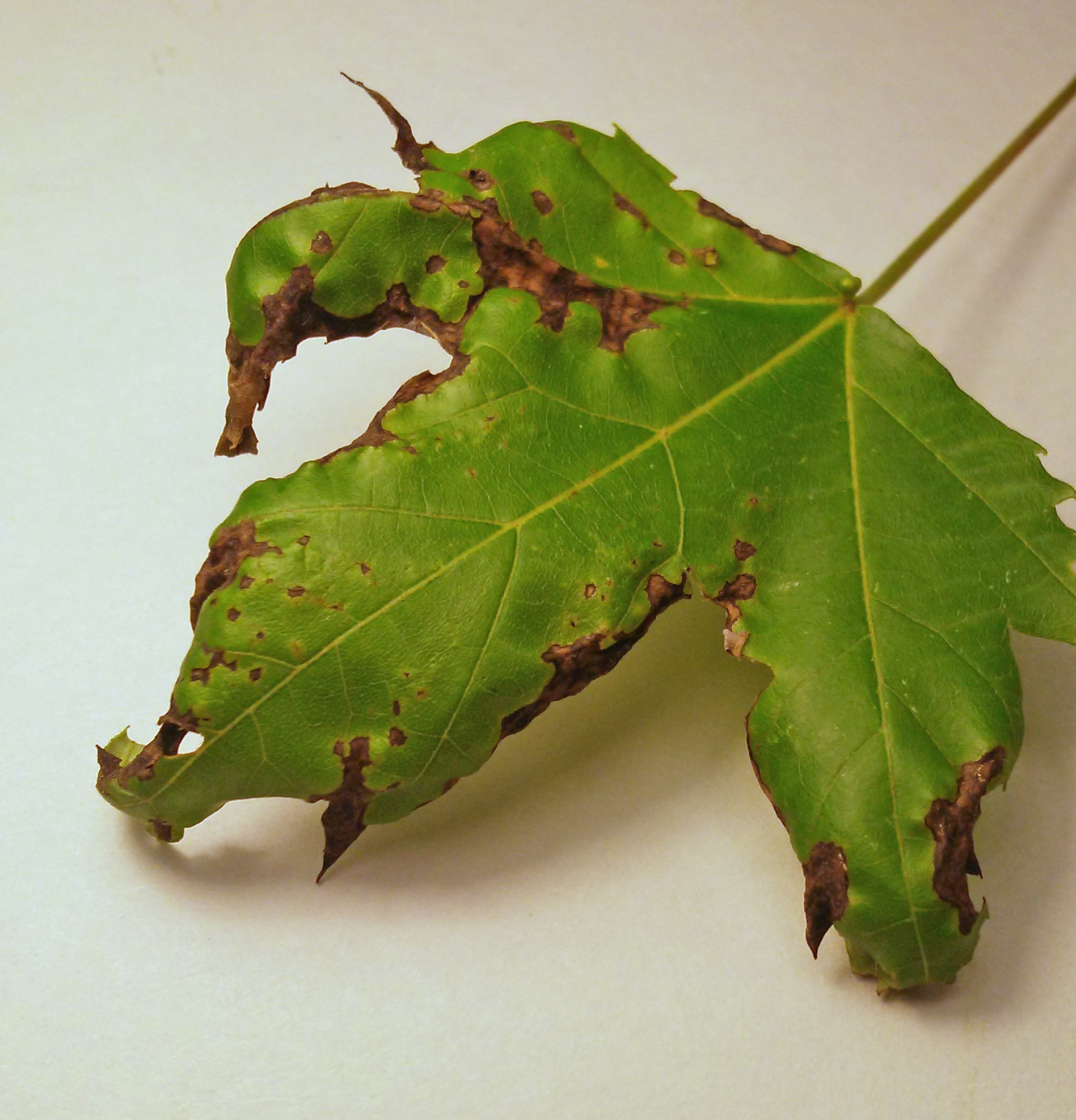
{"type": "Point", "coordinates": [956, 208]}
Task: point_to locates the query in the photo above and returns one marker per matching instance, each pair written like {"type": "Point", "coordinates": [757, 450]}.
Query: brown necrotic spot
{"type": "Point", "coordinates": [174, 725]}
{"type": "Point", "coordinates": [365, 568]}
{"type": "Point", "coordinates": [396, 707]}
{"type": "Point", "coordinates": [435, 263]}
{"type": "Point", "coordinates": [588, 591]}
{"type": "Point", "coordinates": [542, 202]}
{"type": "Point", "coordinates": [304, 540]}
{"type": "Point", "coordinates": [245, 582]}
{"type": "Point", "coordinates": [231, 546]}
{"type": "Point", "coordinates": [255, 674]}
{"type": "Point", "coordinates": [677, 257]}
{"type": "Point", "coordinates": [763, 240]}
{"type": "Point", "coordinates": [216, 658]}
{"type": "Point", "coordinates": [426, 201]}
{"type": "Point", "coordinates": [480, 180]}
{"type": "Point", "coordinates": [743, 551]}
{"type": "Point", "coordinates": [576, 665]}
{"type": "Point", "coordinates": [951, 824]}
{"type": "Point", "coordinates": [629, 207]}
{"type": "Point", "coordinates": [561, 129]}
{"type": "Point", "coordinates": [296, 591]}
{"type": "Point", "coordinates": [322, 243]}
{"type": "Point", "coordinates": [396, 737]}
{"type": "Point", "coordinates": [825, 894]}
{"type": "Point", "coordinates": [731, 594]}
{"type": "Point", "coordinates": [233, 613]}
{"type": "Point", "coordinates": [509, 262]}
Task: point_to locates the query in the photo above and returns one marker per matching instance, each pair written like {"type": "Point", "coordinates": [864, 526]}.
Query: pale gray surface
{"type": "Point", "coordinates": [606, 922]}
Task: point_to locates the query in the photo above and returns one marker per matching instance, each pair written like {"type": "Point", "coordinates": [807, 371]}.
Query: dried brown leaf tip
{"type": "Point", "coordinates": [406, 147]}
{"type": "Point", "coordinates": [343, 817]}
{"type": "Point", "coordinates": [951, 824]}
{"type": "Point", "coordinates": [825, 894]}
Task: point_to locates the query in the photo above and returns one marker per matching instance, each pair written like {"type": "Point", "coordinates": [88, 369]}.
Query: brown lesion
{"type": "Point", "coordinates": [291, 317]}
{"type": "Point", "coordinates": [510, 262]}
{"type": "Point", "coordinates": [732, 593]}
{"type": "Point", "coordinates": [592, 656]}
{"type": "Point", "coordinates": [406, 147]}
{"type": "Point", "coordinates": [343, 819]}
{"type": "Point", "coordinates": [174, 726]}
{"type": "Point", "coordinates": [217, 659]}
{"type": "Point", "coordinates": [231, 546]}
{"type": "Point", "coordinates": [951, 824]}
{"type": "Point", "coordinates": [762, 240]}
{"type": "Point", "coordinates": [574, 667]}
{"type": "Point", "coordinates": [629, 207]}
{"type": "Point", "coordinates": [825, 894]}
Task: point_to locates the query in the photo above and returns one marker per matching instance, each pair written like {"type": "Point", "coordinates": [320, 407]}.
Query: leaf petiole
{"type": "Point", "coordinates": [891, 275]}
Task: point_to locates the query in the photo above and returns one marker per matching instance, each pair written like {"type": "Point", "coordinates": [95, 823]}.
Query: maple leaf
{"type": "Point", "coordinates": [647, 399]}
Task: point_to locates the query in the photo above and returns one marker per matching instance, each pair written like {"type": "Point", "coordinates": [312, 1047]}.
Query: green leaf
{"type": "Point", "coordinates": [647, 399]}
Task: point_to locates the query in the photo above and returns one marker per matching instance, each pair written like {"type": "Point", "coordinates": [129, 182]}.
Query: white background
{"type": "Point", "coordinates": [606, 922]}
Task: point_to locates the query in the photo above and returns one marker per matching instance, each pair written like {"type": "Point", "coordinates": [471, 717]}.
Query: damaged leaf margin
{"type": "Point", "coordinates": [591, 298]}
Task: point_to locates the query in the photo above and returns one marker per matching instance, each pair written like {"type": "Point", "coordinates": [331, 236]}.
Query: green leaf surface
{"type": "Point", "coordinates": [647, 399]}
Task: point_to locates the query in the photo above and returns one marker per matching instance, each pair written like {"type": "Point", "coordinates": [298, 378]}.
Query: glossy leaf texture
{"type": "Point", "coordinates": [647, 399]}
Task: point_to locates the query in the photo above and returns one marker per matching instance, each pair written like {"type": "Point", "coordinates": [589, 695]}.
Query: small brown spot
{"type": "Point", "coordinates": [463, 284]}
{"type": "Point", "coordinates": [322, 243]}
{"type": "Point", "coordinates": [421, 694]}
{"type": "Point", "coordinates": [657, 544]}
{"type": "Point", "coordinates": [233, 613]}
{"type": "Point", "coordinates": [588, 591]}
{"type": "Point", "coordinates": [260, 636]}
{"type": "Point", "coordinates": [677, 257]}
{"type": "Point", "coordinates": [752, 501]}
{"type": "Point", "coordinates": [396, 707]}
{"type": "Point", "coordinates": [396, 737]}
{"type": "Point", "coordinates": [304, 540]}
{"type": "Point", "coordinates": [825, 895]}
{"type": "Point", "coordinates": [951, 824]}
{"type": "Point", "coordinates": [365, 568]}
{"type": "Point", "coordinates": [255, 674]}
{"type": "Point", "coordinates": [542, 202]}
{"type": "Point", "coordinates": [561, 129]}
{"type": "Point", "coordinates": [471, 472]}
{"type": "Point", "coordinates": [201, 674]}
{"type": "Point", "coordinates": [296, 591]}
{"type": "Point", "coordinates": [427, 202]}
{"type": "Point", "coordinates": [742, 550]}
{"type": "Point", "coordinates": [245, 582]}
{"type": "Point", "coordinates": [763, 240]}
{"type": "Point", "coordinates": [435, 263]}
{"type": "Point", "coordinates": [163, 831]}
{"type": "Point", "coordinates": [481, 180]}
{"type": "Point", "coordinates": [629, 207]}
